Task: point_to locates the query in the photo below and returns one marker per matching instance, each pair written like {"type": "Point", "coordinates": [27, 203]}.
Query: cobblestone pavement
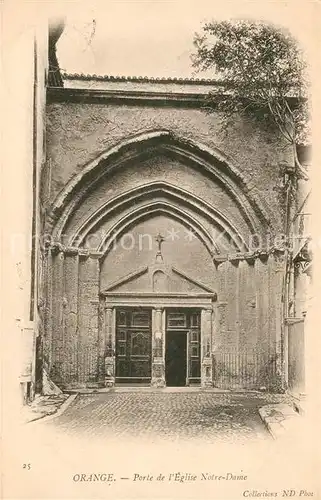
{"type": "Point", "coordinates": [203, 415]}
{"type": "Point", "coordinates": [42, 406]}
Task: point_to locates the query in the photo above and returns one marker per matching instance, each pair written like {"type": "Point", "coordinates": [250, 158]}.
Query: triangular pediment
{"type": "Point", "coordinates": [186, 281]}
{"type": "Point", "coordinates": [158, 279]}
{"type": "Point", "coordinates": [129, 281]}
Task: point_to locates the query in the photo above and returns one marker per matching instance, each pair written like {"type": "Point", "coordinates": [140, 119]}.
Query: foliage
{"type": "Point", "coordinates": [261, 73]}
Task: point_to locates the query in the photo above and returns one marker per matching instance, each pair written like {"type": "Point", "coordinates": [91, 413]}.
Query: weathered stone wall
{"type": "Point", "coordinates": [247, 314]}
{"type": "Point", "coordinates": [248, 299]}
{"type": "Point", "coordinates": [248, 337]}
{"type": "Point", "coordinates": [78, 133]}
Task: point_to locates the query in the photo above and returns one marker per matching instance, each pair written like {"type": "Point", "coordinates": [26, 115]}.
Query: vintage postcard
{"type": "Point", "coordinates": [160, 266]}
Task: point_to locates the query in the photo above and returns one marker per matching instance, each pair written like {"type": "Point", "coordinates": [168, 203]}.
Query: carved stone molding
{"type": "Point", "coordinates": [249, 257]}
{"type": "Point", "coordinates": [58, 247]}
{"type": "Point", "coordinates": [209, 159]}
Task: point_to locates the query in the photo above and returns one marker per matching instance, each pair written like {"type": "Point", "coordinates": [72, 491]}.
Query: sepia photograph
{"type": "Point", "coordinates": [160, 257]}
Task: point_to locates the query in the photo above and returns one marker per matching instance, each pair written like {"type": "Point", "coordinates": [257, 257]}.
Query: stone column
{"type": "Point", "coordinates": [221, 326]}
{"type": "Point", "coordinates": [47, 334]}
{"type": "Point", "coordinates": [101, 342]}
{"type": "Point", "coordinates": [261, 276]}
{"type": "Point", "coordinates": [70, 360]}
{"type": "Point", "coordinates": [57, 322]}
{"type": "Point", "coordinates": [158, 349]}
{"type": "Point", "coordinates": [110, 346]}
{"type": "Point", "coordinates": [206, 347]}
{"type": "Point", "coordinates": [281, 330]}
{"type": "Point", "coordinates": [88, 304]}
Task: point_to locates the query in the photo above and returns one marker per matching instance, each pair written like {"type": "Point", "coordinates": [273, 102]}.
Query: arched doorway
{"type": "Point", "coordinates": [104, 263]}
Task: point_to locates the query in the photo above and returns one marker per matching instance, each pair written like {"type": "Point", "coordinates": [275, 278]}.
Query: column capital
{"type": "Point", "coordinates": [95, 255]}
{"type": "Point", "coordinates": [72, 251]}
{"type": "Point", "coordinates": [56, 248]}
{"type": "Point", "coordinates": [207, 309]}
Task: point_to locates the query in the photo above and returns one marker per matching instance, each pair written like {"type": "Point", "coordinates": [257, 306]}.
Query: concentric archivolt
{"type": "Point", "coordinates": [201, 157]}
{"type": "Point", "coordinates": [175, 197]}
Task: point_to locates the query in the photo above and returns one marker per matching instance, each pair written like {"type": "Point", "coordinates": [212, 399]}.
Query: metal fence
{"type": "Point", "coordinates": [244, 370]}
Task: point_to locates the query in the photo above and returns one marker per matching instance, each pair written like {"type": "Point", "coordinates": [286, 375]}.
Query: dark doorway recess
{"type": "Point", "coordinates": [176, 359]}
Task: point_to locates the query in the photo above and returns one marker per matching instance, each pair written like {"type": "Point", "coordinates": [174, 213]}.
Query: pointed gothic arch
{"type": "Point", "coordinates": [208, 160]}
{"type": "Point", "coordinates": [153, 209]}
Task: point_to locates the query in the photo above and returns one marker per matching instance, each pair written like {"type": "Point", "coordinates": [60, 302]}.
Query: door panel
{"type": "Point", "coordinates": [139, 356]}
{"type": "Point", "coordinates": [194, 359]}
{"type": "Point", "coordinates": [133, 345]}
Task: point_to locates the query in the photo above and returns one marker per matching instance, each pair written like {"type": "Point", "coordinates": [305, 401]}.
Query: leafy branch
{"type": "Point", "coordinates": [260, 72]}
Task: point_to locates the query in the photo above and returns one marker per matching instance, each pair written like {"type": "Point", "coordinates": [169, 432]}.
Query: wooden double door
{"type": "Point", "coordinates": [182, 346]}
{"type": "Point", "coordinates": [133, 345]}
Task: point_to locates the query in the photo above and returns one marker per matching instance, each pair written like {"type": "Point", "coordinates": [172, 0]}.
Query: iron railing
{"type": "Point", "coordinates": [249, 369]}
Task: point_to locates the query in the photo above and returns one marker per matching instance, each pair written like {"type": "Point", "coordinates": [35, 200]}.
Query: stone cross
{"type": "Point", "coordinates": [160, 239]}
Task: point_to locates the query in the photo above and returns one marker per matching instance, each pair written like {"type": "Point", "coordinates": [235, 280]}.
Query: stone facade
{"type": "Point", "coordinates": [125, 165]}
